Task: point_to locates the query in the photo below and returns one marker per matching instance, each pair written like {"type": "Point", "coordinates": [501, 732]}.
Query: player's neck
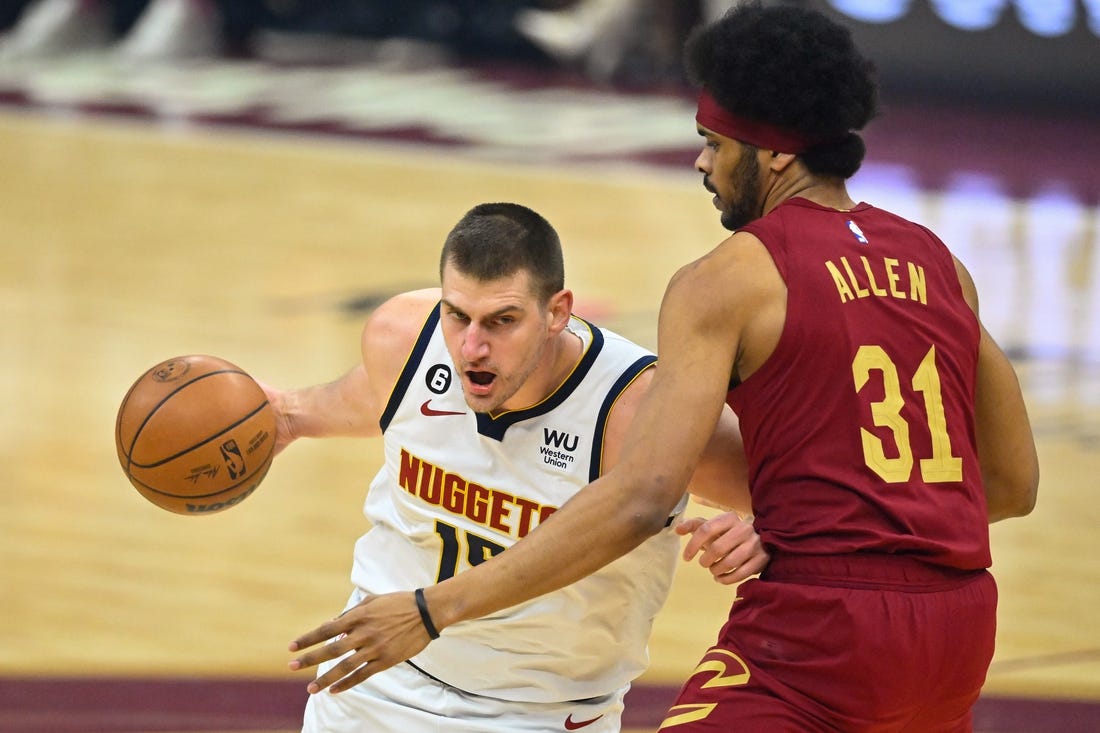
{"type": "Point", "coordinates": [828, 192]}
{"type": "Point", "coordinates": [566, 351]}
{"type": "Point", "coordinates": [563, 353]}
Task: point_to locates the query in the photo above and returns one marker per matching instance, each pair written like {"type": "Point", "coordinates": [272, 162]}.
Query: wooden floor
{"type": "Point", "coordinates": [123, 244]}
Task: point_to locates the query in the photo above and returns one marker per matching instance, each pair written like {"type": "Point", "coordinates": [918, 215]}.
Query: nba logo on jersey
{"type": "Point", "coordinates": [857, 232]}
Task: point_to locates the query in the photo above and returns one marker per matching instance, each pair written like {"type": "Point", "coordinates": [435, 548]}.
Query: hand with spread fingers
{"type": "Point", "coordinates": [731, 549]}
{"type": "Point", "coordinates": [375, 635]}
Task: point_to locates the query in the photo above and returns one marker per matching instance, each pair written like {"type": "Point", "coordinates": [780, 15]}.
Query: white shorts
{"type": "Point", "coordinates": [404, 700]}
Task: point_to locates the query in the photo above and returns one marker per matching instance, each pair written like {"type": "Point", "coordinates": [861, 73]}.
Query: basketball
{"type": "Point", "coordinates": [195, 435]}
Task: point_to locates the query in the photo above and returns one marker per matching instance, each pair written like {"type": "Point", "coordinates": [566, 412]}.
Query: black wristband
{"type": "Point", "coordinates": [422, 606]}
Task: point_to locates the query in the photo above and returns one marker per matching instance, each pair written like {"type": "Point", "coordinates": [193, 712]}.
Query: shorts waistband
{"type": "Point", "coordinates": [866, 570]}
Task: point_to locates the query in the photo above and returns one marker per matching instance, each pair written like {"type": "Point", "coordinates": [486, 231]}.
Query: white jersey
{"type": "Point", "coordinates": [458, 487]}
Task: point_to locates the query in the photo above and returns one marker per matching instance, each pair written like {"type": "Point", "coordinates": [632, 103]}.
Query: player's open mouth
{"type": "Point", "coordinates": [480, 381]}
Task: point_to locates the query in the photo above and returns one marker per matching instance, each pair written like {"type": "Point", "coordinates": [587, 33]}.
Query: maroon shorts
{"type": "Point", "coordinates": [853, 643]}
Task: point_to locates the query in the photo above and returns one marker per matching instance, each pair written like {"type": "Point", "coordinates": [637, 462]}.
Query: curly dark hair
{"type": "Point", "coordinates": [792, 67]}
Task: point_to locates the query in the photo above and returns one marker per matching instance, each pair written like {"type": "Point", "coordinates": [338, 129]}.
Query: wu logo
{"type": "Point", "coordinates": [560, 440]}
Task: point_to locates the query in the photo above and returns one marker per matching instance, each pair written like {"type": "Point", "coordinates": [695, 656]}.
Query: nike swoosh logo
{"type": "Point", "coordinates": [571, 724]}
{"type": "Point", "coordinates": [426, 409]}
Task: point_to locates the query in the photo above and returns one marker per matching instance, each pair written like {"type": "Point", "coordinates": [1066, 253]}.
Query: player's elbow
{"type": "Point", "coordinates": [1012, 496]}
{"type": "Point", "coordinates": [646, 522]}
{"type": "Point", "coordinates": [651, 505]}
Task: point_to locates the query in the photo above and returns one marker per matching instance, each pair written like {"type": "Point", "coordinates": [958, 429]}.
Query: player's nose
{"type": "Point", "coordinates": [704, 161]}
{"type": "Point", "coordinates": [475, 345]}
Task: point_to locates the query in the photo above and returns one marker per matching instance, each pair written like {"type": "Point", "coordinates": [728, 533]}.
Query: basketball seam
{"type": "Point", "coordinates": [201, 443]}
{"type": "Point", "coordinates": [258, 475]}
{"type": "Point", "coordinates": [137, 433]}
{"type": "Point", "coordinates": [118, 420]}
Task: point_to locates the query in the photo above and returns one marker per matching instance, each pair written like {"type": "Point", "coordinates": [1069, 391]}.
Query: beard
{"type": "Point", "coordinates": [746, 182]}
{"type": "Point", "coordinates": [505, 386]}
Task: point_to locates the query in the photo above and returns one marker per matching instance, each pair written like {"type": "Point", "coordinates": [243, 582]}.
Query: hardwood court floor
{"type": "Point", "coordinates": [123, 244]}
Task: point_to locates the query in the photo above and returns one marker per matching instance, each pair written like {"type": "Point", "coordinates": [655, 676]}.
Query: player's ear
{"type": "Point", "coordinates": [560, 308]}
{"type": "Point", "coordinates": [779, 162]}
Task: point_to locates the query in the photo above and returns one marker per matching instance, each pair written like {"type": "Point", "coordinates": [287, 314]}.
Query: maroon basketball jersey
{"type": "Point", "coordinates": [859, 428]}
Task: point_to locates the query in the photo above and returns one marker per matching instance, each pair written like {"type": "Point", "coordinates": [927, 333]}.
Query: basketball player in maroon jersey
{"type": "Point", "coordinates": [883, 425]}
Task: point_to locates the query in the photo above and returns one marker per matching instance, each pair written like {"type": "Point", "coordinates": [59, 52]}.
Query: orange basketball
{"type": "Point", "coordinates": [195, 435]}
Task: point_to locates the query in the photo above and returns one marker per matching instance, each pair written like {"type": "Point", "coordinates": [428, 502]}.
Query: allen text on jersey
{"type": "Point", "coordinates": [881, 277]}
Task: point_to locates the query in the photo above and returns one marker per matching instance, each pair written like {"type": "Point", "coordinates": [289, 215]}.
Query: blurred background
{"type": "Point", "coordinates": [250, 178]}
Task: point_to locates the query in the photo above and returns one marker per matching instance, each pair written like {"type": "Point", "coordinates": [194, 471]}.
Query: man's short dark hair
{"type": "Point", "coordinates": [794, 68]}
{"type": "Point", "coordinates": [497, 240]}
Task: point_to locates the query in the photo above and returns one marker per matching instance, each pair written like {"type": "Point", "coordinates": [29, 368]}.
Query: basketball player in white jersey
{"type": "Point", "coordinates": [496, 405]}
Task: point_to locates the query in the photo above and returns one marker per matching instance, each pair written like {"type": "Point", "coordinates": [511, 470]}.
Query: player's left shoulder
{"type": "Point", "coordinates": [739, 274]}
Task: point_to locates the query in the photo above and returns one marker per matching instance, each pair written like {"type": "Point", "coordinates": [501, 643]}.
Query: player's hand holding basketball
{"type": "Point", "coordinates": [730, 548]}
{"type": "Point", "coordinates": [284, 426]}
{"type": "Point", "coordinates": [374, 635]}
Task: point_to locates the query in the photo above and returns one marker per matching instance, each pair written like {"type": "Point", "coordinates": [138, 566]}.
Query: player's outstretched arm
{"type": "Point", "coordinates": [338, 408]}
{"type": "Point", "coordinates": [352, 405]}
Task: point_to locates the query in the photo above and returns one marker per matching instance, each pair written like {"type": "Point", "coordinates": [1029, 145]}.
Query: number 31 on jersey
{"type": "Point", "coordinates": [942, 465]}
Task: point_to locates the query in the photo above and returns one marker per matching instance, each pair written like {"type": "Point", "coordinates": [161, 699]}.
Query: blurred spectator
{"type": "Point", "coordinates": [144, 30]}
{"type": "Point", "coordinates": [611, 41]}
{"type": "Point", "coordinates": [170, 30]}
{"type": "Point", "coordinates": [467, 29]}
{"type": "Point", "coordinates": [615, 40]}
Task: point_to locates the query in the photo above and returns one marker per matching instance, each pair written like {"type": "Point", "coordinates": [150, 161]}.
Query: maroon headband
{"type": "Point", "coordinates": [762, 135]}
